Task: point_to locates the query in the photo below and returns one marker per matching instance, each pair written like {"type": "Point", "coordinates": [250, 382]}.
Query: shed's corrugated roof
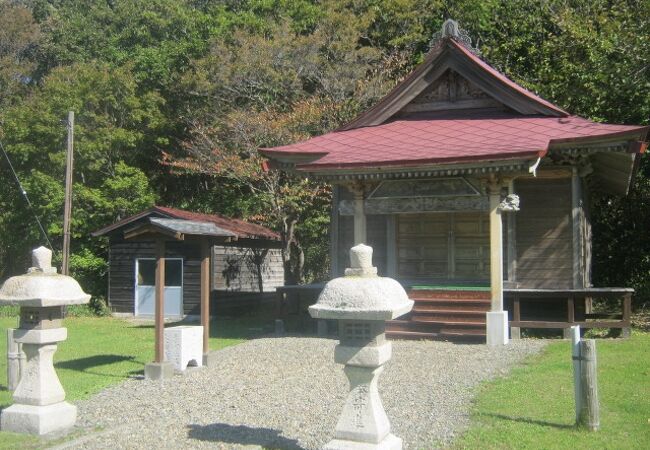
{"type": "Point", "coordinates": [190, 227]}
{"type": "Point", "coordinates": [239, 228]}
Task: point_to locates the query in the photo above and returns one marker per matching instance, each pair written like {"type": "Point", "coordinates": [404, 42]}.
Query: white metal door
{"type": "Point", "coordinates": [145, 287]}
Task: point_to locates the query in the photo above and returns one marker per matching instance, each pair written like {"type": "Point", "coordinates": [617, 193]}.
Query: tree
{"type": "Point", "coordinates": [255, 91]}
{"type": "Point", "coordinates": [19, 34]}
{"type": "Point", "coordinates": [116, 130]}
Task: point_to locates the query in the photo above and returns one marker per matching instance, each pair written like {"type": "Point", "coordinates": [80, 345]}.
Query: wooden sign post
{"type": "Point", "coordinates": [585, 381]}
{"type": "Point", "coordinates": [575, 353]}
{"type": "Point", "coordinates": [589, 406]}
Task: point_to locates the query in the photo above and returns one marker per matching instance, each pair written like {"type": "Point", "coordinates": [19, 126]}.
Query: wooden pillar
{"type": "Point", "coordinates": [512, 242]}
{"type": "Point", "coordinates": [496, 325]}
{"type": "Point", "coordinates": [515, 332]}
{"type": "Point", "coordinates": [334, 233]}
{"type": "Point", "coordinates": [496, 248]}
{"type": "Point", "coordinates": [627, 312]}
{"type": "Point", "coordinates": [577, 238]}
{"type": "Point", "coordinates": [160, 301]}
{"type": "Point", "coordinates": [571, 317]}
{"type": "Point", "coordinates": [391, 245]}
{"type": "Point", "coordinates": [205, 295]}
{"type": "Point", "coordinates": [359, 217]}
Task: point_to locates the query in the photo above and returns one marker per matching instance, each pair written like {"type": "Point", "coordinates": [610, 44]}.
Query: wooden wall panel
{"type": "Point", "coordinates": [544, 233]}
{"type": "Point", "coordinates": [236, 269]}
{"type": "Point", "coordinates": [123, 254]}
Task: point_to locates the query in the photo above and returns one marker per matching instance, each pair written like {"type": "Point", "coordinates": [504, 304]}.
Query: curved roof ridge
{"type": "Point", "coordinates": [448, 53]}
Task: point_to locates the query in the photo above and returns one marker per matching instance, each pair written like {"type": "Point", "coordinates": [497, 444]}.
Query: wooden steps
{"type": "Point", "coordinates": [441, 314]}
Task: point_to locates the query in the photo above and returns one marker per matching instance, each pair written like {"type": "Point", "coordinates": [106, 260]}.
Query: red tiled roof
{"type": "Point", "coordinates": [239, 227]}
{"type": "Point", "coordinates": [447, 137]}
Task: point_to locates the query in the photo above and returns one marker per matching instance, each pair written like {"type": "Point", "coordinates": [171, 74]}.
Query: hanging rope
{"type": "Point", "coordinates": [24, 193]}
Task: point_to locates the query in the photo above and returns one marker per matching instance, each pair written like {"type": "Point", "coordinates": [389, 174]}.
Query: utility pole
{"type": "Point", "coordinates": [67, 212]}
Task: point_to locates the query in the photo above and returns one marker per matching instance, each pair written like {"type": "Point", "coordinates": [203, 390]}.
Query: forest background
{"type": "Point", "coordinates": [173, 97]}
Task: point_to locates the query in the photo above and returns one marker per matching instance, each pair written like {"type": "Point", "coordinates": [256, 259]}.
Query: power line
{"type": "Point", "coordinates": [24, 193]}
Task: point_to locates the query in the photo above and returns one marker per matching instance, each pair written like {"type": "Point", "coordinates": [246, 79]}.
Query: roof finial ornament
{"type": "Point", "coordinates": [451, 29]}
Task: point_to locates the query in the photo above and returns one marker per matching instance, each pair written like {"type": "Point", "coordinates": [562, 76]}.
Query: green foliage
{"type": "Point", "coordinates": [113, 123]}
{"type": "Point", "coordinates": [19, 33]}
{"type": "Point", "coordinates": [173, 98]}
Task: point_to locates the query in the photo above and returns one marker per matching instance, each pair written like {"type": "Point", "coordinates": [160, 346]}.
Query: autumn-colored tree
{"type": "Point", "coordinates": [263, 90]}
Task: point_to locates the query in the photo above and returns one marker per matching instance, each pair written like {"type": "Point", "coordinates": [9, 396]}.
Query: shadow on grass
{"type": "Point", "coordinates": [528, 420]}
{"type": "Point", "coordinates": [242, 435]}
{"type": "Point", "coordinates": [236, 328]}
{"type": "Point", "coordinates": [90, 362]}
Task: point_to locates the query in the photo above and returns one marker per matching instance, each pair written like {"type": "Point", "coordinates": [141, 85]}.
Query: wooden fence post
{"type": "Point", "coordinates": [575, 353]}
{"type": "Point", "coordinates": [589, 410]}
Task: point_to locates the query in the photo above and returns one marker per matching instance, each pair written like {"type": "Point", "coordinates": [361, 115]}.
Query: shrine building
{"type": "Point", "coordinates": [476, 194]}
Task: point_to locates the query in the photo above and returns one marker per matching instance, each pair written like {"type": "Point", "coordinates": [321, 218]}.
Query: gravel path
{"type": "Point", "coordinates": [287, 393]}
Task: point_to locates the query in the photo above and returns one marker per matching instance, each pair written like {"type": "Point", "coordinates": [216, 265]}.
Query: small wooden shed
{"type": "Point", "coordinates": [471, 188]}
{"type": "Point", "coordinates": [245, 262]}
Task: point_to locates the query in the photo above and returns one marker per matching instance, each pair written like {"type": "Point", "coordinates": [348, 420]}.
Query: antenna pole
{"type": "Point", "coordinates": [67, 212]}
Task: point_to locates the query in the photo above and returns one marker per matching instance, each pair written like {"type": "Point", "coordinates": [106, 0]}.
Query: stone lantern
{"type": "Point", "coordinates": [362, 302]}
{"type": "Point", "coordinates": [39, 406]}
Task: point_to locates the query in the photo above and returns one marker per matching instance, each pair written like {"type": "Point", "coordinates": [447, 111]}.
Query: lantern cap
{"type": "Point", "coordinates": [41, 286]}
{"type": "Point", "coordinates": [361, 294]}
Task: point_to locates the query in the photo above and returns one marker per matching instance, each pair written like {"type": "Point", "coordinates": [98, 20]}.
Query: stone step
{"type": "Point", "coordinates": [419, 335]}
{"type": "Point", "coordinates": [463, 324]}
{"type": "Point", "coordinates": [448, 294]}
{"type": "Point", "coordinates": [459, 304]}
{"type": "Point", "coordinates": [407, 325]}
{"type": "Point", "coordinates": [448, 314]}
{"type": "Point", "coordinates": [411, 335]}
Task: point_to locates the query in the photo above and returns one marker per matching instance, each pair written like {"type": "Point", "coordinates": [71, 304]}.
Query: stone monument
{"type": "Point", "coordinates": [39, 406]}
{"type": "Point", "coordinates": [362, 302]}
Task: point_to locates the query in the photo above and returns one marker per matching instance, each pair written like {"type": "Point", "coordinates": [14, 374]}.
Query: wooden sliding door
{"type": "Point", "coordinates": [443, 247]}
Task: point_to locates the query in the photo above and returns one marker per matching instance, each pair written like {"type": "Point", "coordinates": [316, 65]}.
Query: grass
{"type": "Point", "coordinates": [101, 351]}
{"type": "Point", "coordinates": [534, 407]}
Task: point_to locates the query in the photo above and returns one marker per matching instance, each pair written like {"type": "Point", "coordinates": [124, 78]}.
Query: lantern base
{"type": "Point", "coordinates": [40, 420]}
{"type": "Point", "coordinates": [390, 442]}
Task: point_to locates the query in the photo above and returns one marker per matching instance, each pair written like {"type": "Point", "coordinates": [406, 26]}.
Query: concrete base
{"type": "Point", "coordinates": [38, 420]}
{"type": "Point", "coordinates": [184, 346]}
{"type": "Point", "coordinates": [158, 371]}
{"type": "Point", "coordinates": [497, 328]}
{"type": "Point", "coordinates": [390, 442]}
{"type": "Point", "coordinates": [210, 359]}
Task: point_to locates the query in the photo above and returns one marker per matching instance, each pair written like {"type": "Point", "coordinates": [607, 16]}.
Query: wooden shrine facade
{"type": "Point", "coordinates": [469, 186]}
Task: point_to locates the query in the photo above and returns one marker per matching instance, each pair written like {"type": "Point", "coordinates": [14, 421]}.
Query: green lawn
{"type": "Point", "coordinates": [534, 407]}
{"type": "Point", "coordinates": [101, 351]}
